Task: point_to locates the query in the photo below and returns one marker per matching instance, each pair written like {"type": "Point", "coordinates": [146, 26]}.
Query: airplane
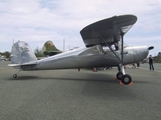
{"type": "Point", "coordinates": [49, 49]}
{"type": "Point", "coordinates": [104, 47]}
{"type": "Point", "coordinates": [2, 58]}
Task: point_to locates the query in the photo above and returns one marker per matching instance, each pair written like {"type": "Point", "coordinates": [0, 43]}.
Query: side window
{"type": "Point", "coordinates": [105, 49]}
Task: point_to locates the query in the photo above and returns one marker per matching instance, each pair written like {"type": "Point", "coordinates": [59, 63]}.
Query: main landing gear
{"type": "Point", "coordinates": [124, 78]}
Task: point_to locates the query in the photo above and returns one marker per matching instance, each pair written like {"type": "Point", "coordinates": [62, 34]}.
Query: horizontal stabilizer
{"type": "Point", "coordinates": [25, 64]}
{"type": "Point", "coordinates": [14, 65]}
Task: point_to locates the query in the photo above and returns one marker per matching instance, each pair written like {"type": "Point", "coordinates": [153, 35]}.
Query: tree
{"type": "Point", "coordinates": [6, 54]}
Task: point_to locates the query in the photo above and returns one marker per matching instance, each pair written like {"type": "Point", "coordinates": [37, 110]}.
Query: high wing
{"type": "Point", "coordinates": [107, 30]}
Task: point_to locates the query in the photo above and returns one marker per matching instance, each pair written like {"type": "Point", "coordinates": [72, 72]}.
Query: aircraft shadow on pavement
{"type": "Point", "coordinates": [141, 82]}
{"type": "Point", "coordinates": [99, 86]}
{"type": "Point", "coordinates": [83, 77]}
{"type": "Point", "coordinates": [106, 87]}
{"type": "Point", "coordinates": [108, 91]}
{"type": "Point", "coordinates": [24, 78]}
{"type": "Point", "coordinates": [91, 77]}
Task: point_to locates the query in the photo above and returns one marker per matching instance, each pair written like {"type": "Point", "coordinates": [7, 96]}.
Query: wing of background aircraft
{"type": "Point", "coordinates": [50, 49]}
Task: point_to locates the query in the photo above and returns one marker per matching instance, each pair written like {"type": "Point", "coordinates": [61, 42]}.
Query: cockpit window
{"type": "Point", "coordinates": [107, 49]}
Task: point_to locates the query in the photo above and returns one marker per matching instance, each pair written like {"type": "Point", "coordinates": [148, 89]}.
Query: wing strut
{"type": "Point", "coordinates": [121, 68]}
{"type": "Point", "coordinates": [122, 47]}
{"type": "Point", "coordinates": [111, 49]}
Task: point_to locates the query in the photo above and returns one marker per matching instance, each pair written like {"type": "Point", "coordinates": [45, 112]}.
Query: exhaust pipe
{"type": "Point", "coordinates": [151, 47]}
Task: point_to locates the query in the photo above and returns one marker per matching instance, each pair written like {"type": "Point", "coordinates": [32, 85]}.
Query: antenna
{"type": "Point", "coordinates": [64, 44]}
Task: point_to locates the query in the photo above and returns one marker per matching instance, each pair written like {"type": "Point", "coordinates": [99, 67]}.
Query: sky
{"type": "Point", "coordinates": [36, 21]}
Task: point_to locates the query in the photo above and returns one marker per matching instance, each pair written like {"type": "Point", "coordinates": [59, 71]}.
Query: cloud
{"type": "Point", "coordinates": [37, 21]}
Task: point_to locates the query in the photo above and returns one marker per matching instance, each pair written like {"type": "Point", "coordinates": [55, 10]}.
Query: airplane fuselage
{"type": "Point", "coordinates": [90, 57]}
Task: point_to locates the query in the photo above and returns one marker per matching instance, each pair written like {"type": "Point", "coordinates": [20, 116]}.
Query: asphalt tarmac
{"type": "Point", "coordinates": [84, 95]}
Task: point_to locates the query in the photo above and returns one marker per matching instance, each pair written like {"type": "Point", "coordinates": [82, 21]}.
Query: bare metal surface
{"type": "Point", "coordinates": [78, 58]}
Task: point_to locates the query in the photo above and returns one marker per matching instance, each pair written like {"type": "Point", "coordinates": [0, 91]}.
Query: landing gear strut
{"type": "Point", "coordinates": [124, 78]}
{"type": "Point", "coordinates": [15, 75]}
{"type": "Point", "coordinates": [121, 75]}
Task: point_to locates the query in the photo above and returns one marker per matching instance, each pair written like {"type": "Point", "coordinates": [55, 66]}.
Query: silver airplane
{"type": "Point", "coordinates": [104, 47]}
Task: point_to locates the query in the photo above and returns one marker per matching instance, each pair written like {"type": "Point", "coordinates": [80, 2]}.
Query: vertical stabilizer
{"type": "Point", "coordinates": [21, 53]}
{"type": "Point", "coordinates": [50, 49]}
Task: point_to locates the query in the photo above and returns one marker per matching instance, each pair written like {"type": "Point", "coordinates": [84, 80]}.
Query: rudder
{"type": "Point", "coordinates": [22, 53]}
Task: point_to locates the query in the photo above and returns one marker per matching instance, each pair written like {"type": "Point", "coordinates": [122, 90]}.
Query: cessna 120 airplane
{"type": "Point", "coordinates": [97, 36]}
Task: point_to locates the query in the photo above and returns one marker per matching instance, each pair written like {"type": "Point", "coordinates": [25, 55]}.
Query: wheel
{"type": "Point", "coordinates": [15, 76]}
{"type": "Point", "coordinates": [126, 79]}
{"type": "Point", "coordinates": [119, 75]}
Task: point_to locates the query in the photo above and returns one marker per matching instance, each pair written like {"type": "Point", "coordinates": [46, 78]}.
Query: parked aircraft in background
{"type": "Point", "coordinates": [49, 49]}
{"type": "Point", "coordinates": [2, 58]}
{"type": "Point", "coordinates": [104, 47]}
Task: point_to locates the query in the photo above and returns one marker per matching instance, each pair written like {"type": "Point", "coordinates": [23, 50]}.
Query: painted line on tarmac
{"type": "Point", "coordinates": [148, 69]}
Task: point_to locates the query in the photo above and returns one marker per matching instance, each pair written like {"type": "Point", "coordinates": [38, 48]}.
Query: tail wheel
{"type": "Point", "coordinates": [15, 76]}
{"type": "Point", "coordinates": [126, 79]}
{"type": "Point", "coordinates": [119, 75]}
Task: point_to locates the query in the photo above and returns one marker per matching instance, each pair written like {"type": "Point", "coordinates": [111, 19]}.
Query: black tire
{"type": "Point", "coordinates": [119, 75]}
{"type": "Point", "coordinates": [15, 76]}
{"type": "Point", "coordinates": [126, 79]}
